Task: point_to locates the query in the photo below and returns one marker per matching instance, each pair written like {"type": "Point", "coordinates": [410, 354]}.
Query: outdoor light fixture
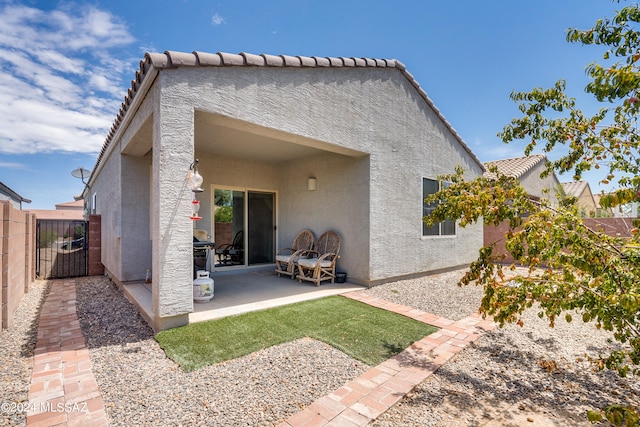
{"type": "Point", "coordinates": [312, 184]}
{"type": "Point", "coordinates": [194, 181]}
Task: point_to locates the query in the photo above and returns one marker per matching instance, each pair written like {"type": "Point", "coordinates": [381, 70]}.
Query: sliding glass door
{"type": "Point", "coordinates": [244, 227]}
{"type": "Point", "coordinates": [261, 229]}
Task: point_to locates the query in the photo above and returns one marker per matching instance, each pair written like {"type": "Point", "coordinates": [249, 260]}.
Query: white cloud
{"type": "Point", "coordinates": [217, 19]}
{"type": "Point", "coordinates": [60, 81]}
{"type": "Point", "coordinates": [13, 165]}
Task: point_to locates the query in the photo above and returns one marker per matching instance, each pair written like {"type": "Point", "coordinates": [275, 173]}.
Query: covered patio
{"type": "Point", "coordinates": [241, 292]}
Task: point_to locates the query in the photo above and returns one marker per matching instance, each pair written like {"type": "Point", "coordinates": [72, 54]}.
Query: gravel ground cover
{"type": "Point", "coordinates": [141, 386]}
{"type": "Point", "coordinates": [531, 375]}
{"type": "Point", "coordinates": [16, 352]}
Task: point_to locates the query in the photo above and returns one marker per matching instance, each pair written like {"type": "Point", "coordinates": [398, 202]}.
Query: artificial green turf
{"type": "Point", "coordinates": [366, 333]}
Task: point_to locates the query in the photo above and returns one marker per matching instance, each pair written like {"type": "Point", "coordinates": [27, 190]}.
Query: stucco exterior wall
{"type": "Point", "coordinates": [135, 224]}
{"type": "Point", "coordinates": [586, 202]}
{"type": "Point", "coordinates": [122, 199]}
{"type": "Point", "coordinates": [534, 184]}
{"type": "Point", "coordinates": [340, 203]}
{"type": "Point", "coordinates": [372, 111]}
{"type": "Point", "coordinates": [421, 148]}
{"type": "Point", "coordinates": [108, 201]}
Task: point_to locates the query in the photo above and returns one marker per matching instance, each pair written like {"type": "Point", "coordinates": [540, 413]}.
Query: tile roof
{"type": "Point", "coordinates": [574, 188]}
{"type": "Point", "coordinates": [172, 59]}
{"type": "Point", "coordinates": [515, 167]}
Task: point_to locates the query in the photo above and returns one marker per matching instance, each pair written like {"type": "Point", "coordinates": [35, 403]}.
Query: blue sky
{"type": "Point", "coordinates": [66, 66]}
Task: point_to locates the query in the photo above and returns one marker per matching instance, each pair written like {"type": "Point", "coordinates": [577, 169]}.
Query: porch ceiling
{"type": "Point", "coordinates": [237, 139]}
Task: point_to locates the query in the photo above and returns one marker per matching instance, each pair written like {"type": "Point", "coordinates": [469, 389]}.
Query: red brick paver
{"type": "Point", "coordinates": [63, 390]}
{"type": "Point", "coordinates": [371, 394]}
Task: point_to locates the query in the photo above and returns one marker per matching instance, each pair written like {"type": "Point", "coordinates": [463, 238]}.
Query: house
{"type": "Point", "coordinates": [585, 199]}
{"type": "Point", "coordinates": [67, 210]}
{"type": "Point", "coordinates": [14, 198]}
{"type": "Point", "coordinates": [527, 169]}
{"type": "Point", "coordinates": [283, 143]}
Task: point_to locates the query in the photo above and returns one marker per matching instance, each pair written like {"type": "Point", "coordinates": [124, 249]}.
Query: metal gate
{"type": "Point", "coordinates": [61, 248]}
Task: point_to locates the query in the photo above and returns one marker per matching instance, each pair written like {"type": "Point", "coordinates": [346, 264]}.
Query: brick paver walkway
{"type": "Point", "coordinates": [372, 393]}
{"type": "Point", "coordinates": [63, 390]}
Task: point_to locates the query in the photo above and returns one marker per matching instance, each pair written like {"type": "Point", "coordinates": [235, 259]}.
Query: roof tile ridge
{"type": "Point", "coordinates": [158, 60]}
{"type": "Point", "coordinates": [322, 61]}
{"type": "Point", "coordinates": [291, 61]}
{"type": "Point", "coordinates": [231, 58]}
{"type": "Point", "coordinates": [181, 58]}
{"type": "Point", "coordinates": [335, 61]}
{"type": "Point", "coordinates": [273, 60]}
{"type": "Point", "coordinates": [348, 62]}
{"type": "Point", "coordinates": [253, 59]}
{"type": "Point", "coordinates": [307, 61]}
{"type": "Point", "coordinates": [359, 62]}
{"type": "Point", "coordinates": [208, 59]}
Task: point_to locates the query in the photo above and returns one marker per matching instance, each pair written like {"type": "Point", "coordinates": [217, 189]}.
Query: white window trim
{"type": "Point", "coordinates": [438, 236]}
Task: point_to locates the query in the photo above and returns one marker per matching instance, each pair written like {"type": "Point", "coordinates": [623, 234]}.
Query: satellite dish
{"type": "Point", "coordinates": [81, 173]}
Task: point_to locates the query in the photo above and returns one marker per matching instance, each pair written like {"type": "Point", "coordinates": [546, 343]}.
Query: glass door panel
{"type": "Point", "coordinates": [228, 217]}
{"type": "Point", "coordinates": [261, 228]}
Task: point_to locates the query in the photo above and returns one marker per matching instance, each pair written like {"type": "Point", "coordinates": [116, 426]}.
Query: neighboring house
{"type": "Point", "coordinates": [68, 210]}
{"type": "Point", "coordinates": [601, 212]}
{"type": "Point", "coordinates": [8, 194]}
{"type": "Point", "coordinates": [585, 199]}
{"type": "Point", "coordinates": [527, 170]}
{"type": "Point", "coordinates": [289, 143]}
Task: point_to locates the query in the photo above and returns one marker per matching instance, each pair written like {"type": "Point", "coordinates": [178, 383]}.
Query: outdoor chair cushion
{"type": "Point", "coordinates": [312, 262]}
{"type": "Point", "coordinates": [287, 258]}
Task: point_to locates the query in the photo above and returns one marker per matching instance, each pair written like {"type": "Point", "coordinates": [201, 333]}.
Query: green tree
{"type": "Point", "coordinates": [570, 268]}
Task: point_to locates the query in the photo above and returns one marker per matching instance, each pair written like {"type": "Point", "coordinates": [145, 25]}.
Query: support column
{"type": "Point", "coordinates": [171, 228]}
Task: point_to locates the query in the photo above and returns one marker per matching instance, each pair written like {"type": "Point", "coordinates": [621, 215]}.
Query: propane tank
{"type": "Point", "coordinates": [202, 287]}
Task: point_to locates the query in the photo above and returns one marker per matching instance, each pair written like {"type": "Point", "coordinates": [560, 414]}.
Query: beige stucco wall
{"type": "Point", "coordinates": [586, 203]}
{"type": "Point", "coordinates": [107, 191]}
{"type": "Point", "coordinates": [374, 111]}
{"type": "Point", "coordinates": [534, 185]}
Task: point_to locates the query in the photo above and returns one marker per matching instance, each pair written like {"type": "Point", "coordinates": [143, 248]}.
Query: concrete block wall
{"type": "Point", "coordinates": [17, 243]}
{"type": "Point", "coordinates": [615, 227]}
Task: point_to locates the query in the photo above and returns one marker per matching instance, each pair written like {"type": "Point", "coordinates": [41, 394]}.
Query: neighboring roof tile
{"type": "Point", "coordinates": [515, 167]}
{"type": "Point", "coordinates": [172, 59]}
{"type": "Point", "coordinates": [575, 188]}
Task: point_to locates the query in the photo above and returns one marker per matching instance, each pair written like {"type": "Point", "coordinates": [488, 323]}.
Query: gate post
{"type": "Point", "coordinates": [95, 267]}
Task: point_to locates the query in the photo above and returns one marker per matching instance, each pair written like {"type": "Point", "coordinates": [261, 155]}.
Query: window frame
{"type": "Point", "coordinates": [439, 225]}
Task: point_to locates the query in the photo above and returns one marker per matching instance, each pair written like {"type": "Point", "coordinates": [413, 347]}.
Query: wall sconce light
{"type": "Point", "coordinates": [194, 181]}
{"type": "Point", "coordinates": [312, 184]}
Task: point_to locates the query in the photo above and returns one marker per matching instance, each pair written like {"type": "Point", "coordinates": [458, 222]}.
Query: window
{"type": "Point", "coordinates": [445, 228]}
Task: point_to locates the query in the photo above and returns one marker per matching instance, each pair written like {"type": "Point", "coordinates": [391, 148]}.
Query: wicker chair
{"type": "Point", "coordinates": [231, 253]}
{"type": "Point", "coordinates": [286, 257]}
{"type": "Point", "coordinates": [319, 264]}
